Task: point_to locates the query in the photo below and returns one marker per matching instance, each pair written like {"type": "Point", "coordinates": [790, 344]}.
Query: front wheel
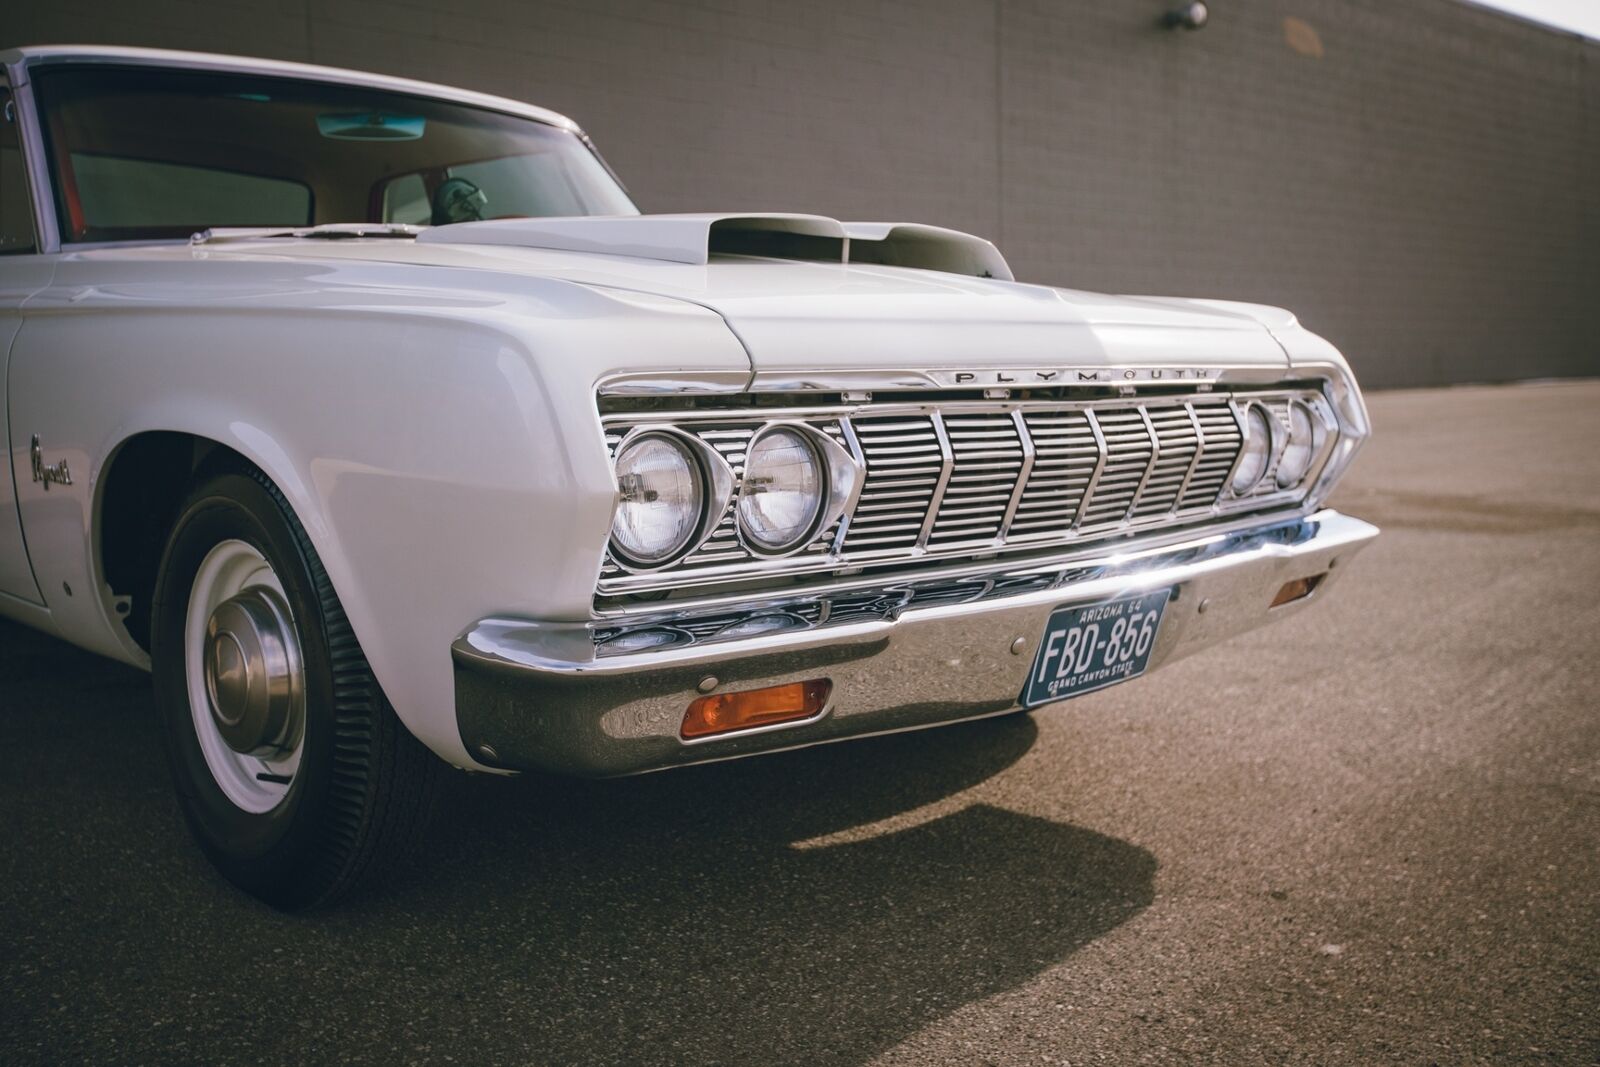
{"type": "Point", "coordinates": [292, 770]}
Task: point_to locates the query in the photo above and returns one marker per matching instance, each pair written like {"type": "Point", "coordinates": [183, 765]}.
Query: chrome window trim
{"type": "Point", "coordinates": [47, 226]}
{"type": "Point", "coordinates": [112, 56]}
{"type": "Point", "coordinates": [46, 238]}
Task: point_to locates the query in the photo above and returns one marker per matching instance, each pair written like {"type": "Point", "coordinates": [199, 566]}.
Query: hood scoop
{"type": "Point", "coordinates": [697, 238]}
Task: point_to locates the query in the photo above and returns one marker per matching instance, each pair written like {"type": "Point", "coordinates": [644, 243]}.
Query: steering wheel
{"type": "Point", "coordinates": [458, 200]}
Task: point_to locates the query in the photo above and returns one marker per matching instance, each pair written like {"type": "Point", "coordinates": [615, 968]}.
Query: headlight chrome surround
{"type": "Point", "coordinates": [714, 483]}
{"type": "Point", "coordinates": [1307, 434]}
{"type": "Point", "coordinates": [1270, 433]}
{"type": "Point", "coordinates": [839, 479]}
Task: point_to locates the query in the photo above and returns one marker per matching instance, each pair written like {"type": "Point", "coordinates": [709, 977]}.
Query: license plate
{"type": "Point", "coordinates": [1091, 646]}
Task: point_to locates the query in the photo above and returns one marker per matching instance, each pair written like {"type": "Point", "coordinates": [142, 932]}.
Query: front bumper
{"type": "Point", "coordinates": [535, 696]}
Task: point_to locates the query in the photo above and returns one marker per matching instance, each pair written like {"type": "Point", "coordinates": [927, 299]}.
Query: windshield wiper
{"type": "Point", "coordinates": [330, 231]}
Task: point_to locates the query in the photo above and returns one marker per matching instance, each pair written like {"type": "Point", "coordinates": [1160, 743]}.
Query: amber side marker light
{"type": "Point", "coordinates": [1298, 589]}
{"type": "Point", "coordinates": [725, 712]}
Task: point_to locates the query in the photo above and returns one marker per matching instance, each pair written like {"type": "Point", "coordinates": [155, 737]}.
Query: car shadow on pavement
{"type": "Point", "coordinates": [812, 907]}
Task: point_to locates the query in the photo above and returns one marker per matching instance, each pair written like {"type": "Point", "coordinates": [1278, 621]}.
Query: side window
{"type": "Point", "coordinates": [16, 213]}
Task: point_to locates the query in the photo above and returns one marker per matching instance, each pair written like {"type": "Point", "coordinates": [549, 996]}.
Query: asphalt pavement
{"type": "Point", "coordinates": [1368, 834]}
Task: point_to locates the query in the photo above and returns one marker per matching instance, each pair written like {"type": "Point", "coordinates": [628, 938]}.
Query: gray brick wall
{"type": "Point", "coordinates": [1416, 179]}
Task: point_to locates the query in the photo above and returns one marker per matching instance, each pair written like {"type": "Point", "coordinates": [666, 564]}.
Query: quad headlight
{"type": "Point", "coordinates": [784, 490]}
{"type": "Point", "coordinates": [1256, 453]}
{"type": "Point", "coordinates": [662, 500]}
{"type": "Point", "coordinates": [1301, 446]}
{"type": "Point", "coordinates": [676, 490]}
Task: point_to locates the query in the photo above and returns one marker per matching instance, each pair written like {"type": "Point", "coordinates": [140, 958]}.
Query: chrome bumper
{"type": "Point", "coordinates": [535, 696]}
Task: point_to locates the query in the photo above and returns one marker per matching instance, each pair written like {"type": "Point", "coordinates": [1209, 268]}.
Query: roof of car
{"type": "Point", "coordinates": [18, 60]}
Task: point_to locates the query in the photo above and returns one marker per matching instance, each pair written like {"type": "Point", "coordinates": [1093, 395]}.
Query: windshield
{"type": "Point", "coordinates": [148, 153]}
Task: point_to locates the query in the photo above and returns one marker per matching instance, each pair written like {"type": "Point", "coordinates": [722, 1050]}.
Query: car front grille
{"type": "Point", "coordinates": [967, 478]}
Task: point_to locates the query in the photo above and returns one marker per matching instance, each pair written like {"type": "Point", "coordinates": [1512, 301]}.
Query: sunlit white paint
{"type": "Point", "coordinates": [427, 406]}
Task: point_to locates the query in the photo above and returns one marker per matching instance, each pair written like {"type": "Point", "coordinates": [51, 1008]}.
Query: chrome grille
{"type": "Point", "coordinates": [1128, 452]}
{"type": "Point", "coordinates": [1177, 443]}
{"type": "Point", "coordinates": [905, 468]}
{"type": "Point", "coordinates": [986, 459]}
{"type": "Point", "coordinates": [969, 476]}
{"type": "Point", "coordinates": [1066, 458]}
{"type": "Point", "coordinates": [1220, 438]}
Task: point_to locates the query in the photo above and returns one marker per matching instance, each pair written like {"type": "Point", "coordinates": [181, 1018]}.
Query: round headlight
{"type": "Point", "coordinates": [1257, 450]}
{"type": "Point", "coordinates": [1300, 447]}
{"type": "Point", "coordinates": [782, 492]}
{"type": "Point", "coordinates": [663, 495]}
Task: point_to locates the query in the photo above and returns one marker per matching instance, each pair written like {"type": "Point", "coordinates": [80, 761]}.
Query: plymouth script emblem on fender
{"type": "Point", "coordinates": [51, 473]}
{"type": "Point", "coordinates": [1075, 375]}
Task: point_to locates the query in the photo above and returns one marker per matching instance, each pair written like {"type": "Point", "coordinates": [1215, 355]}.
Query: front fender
{"type": "Point", "coordinates": [442, 451]}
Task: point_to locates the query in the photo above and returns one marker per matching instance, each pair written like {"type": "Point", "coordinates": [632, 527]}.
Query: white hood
{"type": "Point", "coordinates": [810, 295]}
{"type": "Point", "coordinates": [697, 238]}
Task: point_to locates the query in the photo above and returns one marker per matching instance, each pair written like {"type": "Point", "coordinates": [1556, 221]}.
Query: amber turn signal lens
{"type": "Point", "coordinates": [1298, 589]}
{"type": "Point", "coordinates": [724, 712]}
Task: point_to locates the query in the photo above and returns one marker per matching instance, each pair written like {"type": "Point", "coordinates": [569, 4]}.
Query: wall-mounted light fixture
{"type": "Point", "coordinates": [1186, 16]}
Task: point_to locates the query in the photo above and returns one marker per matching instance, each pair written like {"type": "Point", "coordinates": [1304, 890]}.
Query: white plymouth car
{"type": "Point", "coordinates": [375, 421]}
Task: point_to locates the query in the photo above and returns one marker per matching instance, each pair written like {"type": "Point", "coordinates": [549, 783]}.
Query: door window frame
{"type": "Point", "coordinates": [46, 239]}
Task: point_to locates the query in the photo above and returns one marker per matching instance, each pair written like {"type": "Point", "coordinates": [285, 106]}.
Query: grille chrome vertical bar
{"type": "Point", "coordinates": [939, 487]}
{"type": "Point", "coordinates": [854, 445]}
{"type": "Point", "coordinates": [1149, 468]}
{"type": "Point", "coordinates": [1226, 493]}
{"type": "Point", "coordinates": [1028, 454]}
{"type": "Point", "coordinates": [1194, 464]}
{"type": "Point", "coordinates": [1099, 468]}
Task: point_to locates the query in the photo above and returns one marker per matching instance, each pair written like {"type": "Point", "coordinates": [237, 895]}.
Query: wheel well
{"type": "Point", "coordinates": [143, 486]}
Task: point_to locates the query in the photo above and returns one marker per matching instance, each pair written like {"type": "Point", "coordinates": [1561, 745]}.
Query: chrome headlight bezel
{"type": "Point", "coordinates": [714, 480]}
{"type": "Point", "coordinates": [1271, 433]}
{"type": "Point", "coordinates": [1316, 433]}
{"type": "Point", "coordinates": [839, 482]}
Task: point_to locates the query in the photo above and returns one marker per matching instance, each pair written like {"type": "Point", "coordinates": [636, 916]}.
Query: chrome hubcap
{"type": "Point", "coordinates": [245, 676]}
{"type": "Point", "coordinates": [253, 675]}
